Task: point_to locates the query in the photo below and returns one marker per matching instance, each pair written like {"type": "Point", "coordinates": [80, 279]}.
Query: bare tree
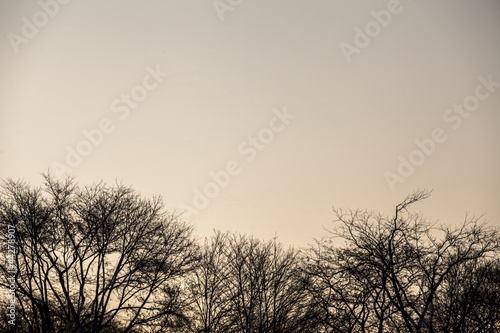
{"type": "Point", "coordinates": [208, 286]}
{"type": "Point", "coordinates": [95, 259]}
{"type": "Point", "coordinates": [103, 259]}
{"type": "Point", "coordinates": [268, 293]}
{"type": "Point", "coordinates": [470, 298]}
{"type": "Point", "coordinates": [342, 299]}
{"type": "Point", "coordinates": [245, 285]}
{"type": "Point", "coordinates": [394, 267]}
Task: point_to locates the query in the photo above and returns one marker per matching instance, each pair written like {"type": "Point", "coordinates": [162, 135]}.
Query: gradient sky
{"type": "Point", "coordinates": [227, 78]}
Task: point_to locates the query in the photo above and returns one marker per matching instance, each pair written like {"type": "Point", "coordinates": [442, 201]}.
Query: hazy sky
{"type": "Point", "coordinates": [307, 105]}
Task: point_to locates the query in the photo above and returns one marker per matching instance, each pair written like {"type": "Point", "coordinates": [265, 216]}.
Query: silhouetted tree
{"type": "Point", "coordinates": [208, 286]}
{"type": "Point", "coordinates": [245, 285]}
{"type": "Point", "coordinates": [95, 259]}
{"type": "Point", "coordinates": [103, 259]}
{"type": "Point", "coordinates": [267, 295]}
{"type": "Point", "coordinates": [391, 272]}
{"type": "Point", "coordinates": [470, 298]}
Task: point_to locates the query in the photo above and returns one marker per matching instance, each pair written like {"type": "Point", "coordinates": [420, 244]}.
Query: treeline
{"type": "Point", "coordinates": [103, 259]}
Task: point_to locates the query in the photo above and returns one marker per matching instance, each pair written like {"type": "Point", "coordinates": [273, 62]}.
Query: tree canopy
{"type": "Point", "coordinates": [102, 258]}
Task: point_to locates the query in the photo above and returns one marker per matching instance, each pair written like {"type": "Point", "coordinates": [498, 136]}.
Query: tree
{"type": "Point", "coordinates": [208, 286]}
{"type": "Point", "coordinates": [245, 285]}
{"type": "Point", "coordinates": [96, 259]}
{"type": "Point", "coordinates": [103, 259]}
{"type": "Point", "coordinates": [267, 295]}
{"type": "Point", "coordinates": [470, 299]}
{"type": "Point", "coordinates": [391, 272]}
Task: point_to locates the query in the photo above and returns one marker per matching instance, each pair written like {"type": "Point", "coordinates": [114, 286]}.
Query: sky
{"type": "Point", "coordinates": [258, 116]}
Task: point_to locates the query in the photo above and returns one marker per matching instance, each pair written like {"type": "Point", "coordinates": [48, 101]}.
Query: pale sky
{"type": "Point", "coordinates": [353, 105]}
